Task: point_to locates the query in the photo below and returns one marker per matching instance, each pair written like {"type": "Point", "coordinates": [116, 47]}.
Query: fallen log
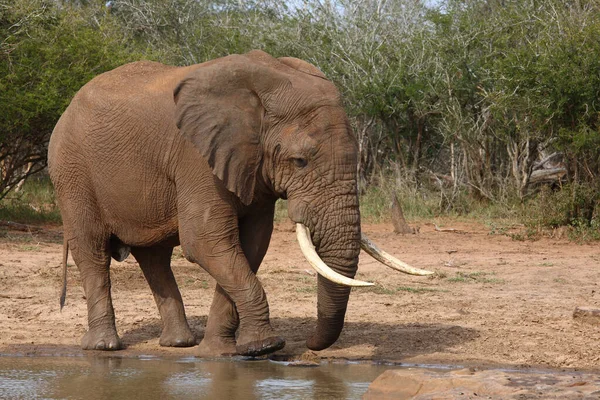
{"type": "Point", "coordinates": [547, 175]}
{"type": "Point", "coordinates": [452, 230]}
{"type": "Point", "coordinates": [21, 227]}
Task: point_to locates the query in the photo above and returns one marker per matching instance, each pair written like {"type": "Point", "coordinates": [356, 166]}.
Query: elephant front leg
{"type": "Point", "coordinates": [94, 264]}
{"type": "Point", "coordinates": [223, 320]}
{"type": "Point", "coordinates": [234, 276]}
{"type": "Point", "coordinates": [255, 334]}
{"type": "Point", "coordinates": [156, 266]}
{"type": "Point", "coordinates": [224, 259]}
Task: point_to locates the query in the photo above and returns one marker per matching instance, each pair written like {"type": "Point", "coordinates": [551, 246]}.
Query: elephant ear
{"type": "Point", "coordinates": [302, 66]}
{"type": "Point", "coordinates": [219, 111]}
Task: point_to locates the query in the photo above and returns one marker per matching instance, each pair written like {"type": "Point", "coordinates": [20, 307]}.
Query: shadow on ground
{"type": "Point", "coordinates": [151, 329]}
{"type": "Point", "coordinates": [389, 341]}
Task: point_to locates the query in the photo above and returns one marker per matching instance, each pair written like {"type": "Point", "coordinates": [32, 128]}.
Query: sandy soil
{"type": "Point", "coordinates": [494, 300]}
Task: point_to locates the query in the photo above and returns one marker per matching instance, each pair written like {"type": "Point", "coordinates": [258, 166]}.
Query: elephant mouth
{"type": "Point", "coordinates": [309, 252]}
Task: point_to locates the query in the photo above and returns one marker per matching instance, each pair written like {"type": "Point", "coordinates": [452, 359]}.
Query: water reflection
{"type": "Point", "coordinates": [23, 384]}
{"type": "Point", "coordinates": [114, 377]}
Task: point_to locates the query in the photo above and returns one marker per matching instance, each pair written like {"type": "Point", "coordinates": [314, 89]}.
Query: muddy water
{"type": "Point", "coordinates": [154, 378]}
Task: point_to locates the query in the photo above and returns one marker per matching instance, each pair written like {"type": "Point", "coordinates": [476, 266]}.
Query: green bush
{"type": "Point", "coordinates": [471, 93]}
{"type": "Point", "coordinates": [573, 206]}
{"type": "Point", "coordinates": [33, 204]}
{"type": "Point", "coordinates": [47, 52]}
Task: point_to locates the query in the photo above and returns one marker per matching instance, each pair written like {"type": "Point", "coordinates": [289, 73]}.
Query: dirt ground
{"type": "Point", "coordinates": [493, 301]}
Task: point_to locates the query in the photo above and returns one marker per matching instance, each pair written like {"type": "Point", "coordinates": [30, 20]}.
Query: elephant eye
{"type": "Point", "coordinates": [299, 162]}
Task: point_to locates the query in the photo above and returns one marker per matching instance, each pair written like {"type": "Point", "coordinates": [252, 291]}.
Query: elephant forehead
{"type": "Point", "coordinates": [324, 117]}
{"type": "Point", "coordinates": [303, 97]}
{"type": "Point", "coordinates": [337, 155]}
{"type": "Point", "coordinates": [344, 157]}
{"type": "Point", "coordinates": [328, 133]}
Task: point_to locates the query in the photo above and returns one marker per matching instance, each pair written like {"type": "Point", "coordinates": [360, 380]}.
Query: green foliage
{"type": "Point", "coordinates": [376, 201]}
{"type": "Point", "coordinates": [47, 53]}
{"type": "Point", "coordinates": [281, 213]}
{"type": "Point", "coordinates": [574, 206]}
{"type": "Point", "coordinates": [33, 204]}
{"type": "Point", "coordinates": [453, 103]}
{"type": "Point", "coordinates": [551, 208]}
{"type": "Point", "coordinates": [583, 231]}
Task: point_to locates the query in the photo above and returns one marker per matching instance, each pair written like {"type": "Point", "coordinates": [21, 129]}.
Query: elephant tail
{"type": "Point", "coordinates": [63, 292]}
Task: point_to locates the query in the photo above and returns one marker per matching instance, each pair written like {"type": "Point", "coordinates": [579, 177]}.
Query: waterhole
{"type": "Point", "coordinates": [90, 377]}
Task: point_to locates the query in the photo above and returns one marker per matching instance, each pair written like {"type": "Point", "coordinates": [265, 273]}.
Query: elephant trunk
{"type": "Point", "coordinates": [339, 249]}
{"type": "Point", "coordinates": [332, 302]}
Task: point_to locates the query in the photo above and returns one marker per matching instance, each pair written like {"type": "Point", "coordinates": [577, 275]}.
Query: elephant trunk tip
{"type": "Point", "coordinates": [327, 333]}
{"type": "Point", "coordinates": [317, 343]}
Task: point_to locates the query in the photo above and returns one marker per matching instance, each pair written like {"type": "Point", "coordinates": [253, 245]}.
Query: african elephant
{"type": "Point", "coordinates": [148, 156]}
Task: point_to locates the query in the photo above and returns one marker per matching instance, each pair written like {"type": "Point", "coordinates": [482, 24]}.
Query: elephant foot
{"type": "Point", "coordinates": [261, 347]}
{"type": "Point", "coordinates": [257, 344]}
{"type": "Point", "coordinates": [216, 347]}
{"type": "Point", "coordinates": [177, 338]}
{"type": "Point", "coordinates": [101, 339]}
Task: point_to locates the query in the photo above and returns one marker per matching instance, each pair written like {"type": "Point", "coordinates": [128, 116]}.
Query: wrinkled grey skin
{"type": "Point", "coordinates": [149, 156]}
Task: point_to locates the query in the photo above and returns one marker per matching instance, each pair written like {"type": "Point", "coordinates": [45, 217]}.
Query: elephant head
{"type": "Point", "coordinates": [277, 127]}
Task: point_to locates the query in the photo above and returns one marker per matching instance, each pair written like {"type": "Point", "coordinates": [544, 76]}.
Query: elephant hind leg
{"type": "Point", "coordinates": [92, 257]}
{"type": "Point", "coordinates": [156, 266]}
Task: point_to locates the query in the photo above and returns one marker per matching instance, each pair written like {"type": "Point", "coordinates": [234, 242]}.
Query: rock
{"type": "Point", "coordinates": [307, 359]}
{"type": "Point", "coordinates": [422, 384]}
{"type": "Point", "coordinates": [589, 315]}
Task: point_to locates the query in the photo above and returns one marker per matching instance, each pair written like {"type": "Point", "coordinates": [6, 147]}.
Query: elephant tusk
{"type": "Point", "coordinates": [308, 249]}
{"type": "Point", "coordinates": [389, 260]}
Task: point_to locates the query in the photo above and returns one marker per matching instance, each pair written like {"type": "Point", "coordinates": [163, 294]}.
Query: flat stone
{"type": "Point", "coordinates": [423, 384]}
{"type": "Point", "coordinates": [589, 315]}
